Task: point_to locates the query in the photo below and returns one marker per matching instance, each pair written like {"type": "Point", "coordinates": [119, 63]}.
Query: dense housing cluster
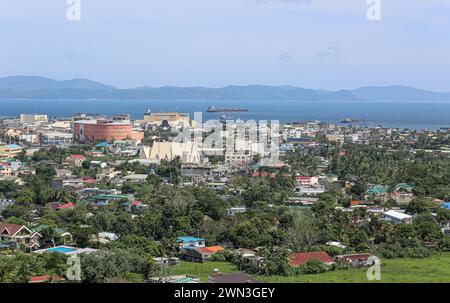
{"type": "Point", "coordinates": [136, 205]}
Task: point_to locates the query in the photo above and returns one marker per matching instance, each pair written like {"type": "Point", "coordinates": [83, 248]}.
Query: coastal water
{"type": "Point", "coordinates": [404, 114]}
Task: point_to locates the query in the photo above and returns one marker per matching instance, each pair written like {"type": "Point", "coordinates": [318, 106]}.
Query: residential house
{"type": "Point", "coordinates": [53, 205]}
{"type": "Point", "coordinates": [137, 178]}
{"type": "Point", "coordinates": [301, 201]}
{"type": "Point", "coordinates": [163, 261]}
{"type": "Point", "coordinates": [69, 205]}
{"type": "Point", "coordinates": [403, 193]}
{"type": "Point", "coordinates": [356, 260]}
{"type": "Point", "coordinates": [298, 259]}
{"type": "Point", "coordinates": [19, 235]}
{"type": "Point", "coordinates": [378, 191]}
{"type": "Point", "coordinates": [200, 254]}
{"type": "Point", "coordinates": [395, 217]}
{"type": "Point", "coordinates": [4, 203]}
{"type": "Point", "coordinates": [236, 210]}
{"type": "Point", "coordinates": [5, 169]}
{"type": "Point", "coordinates": [184, 242]}
{"type": "Point", "coordinates": [132, 206]}
{"type": "Point", "coordinates": [306, 181]}
{"type": "Point", "coordinates": [75, 160]}
{"type": "Point", "coordinates": [249, 256]}
{"type": "Point", "coordinates": [310, 190]}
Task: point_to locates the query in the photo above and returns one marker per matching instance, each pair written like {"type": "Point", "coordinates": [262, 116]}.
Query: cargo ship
{"type": "Point", "coordinates": [213, 109]}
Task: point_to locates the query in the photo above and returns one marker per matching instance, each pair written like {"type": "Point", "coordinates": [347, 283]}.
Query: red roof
{"type": "Point", "coordinates": [210, 249]}
{"type": "Point", "coordinates": [135, 203]}
{"type": "Point", "coordinates": [43, 279]}
{"type": "Point", "coordinates": [90, 181]}
{"type": "Point", "coordinates": [11, 228]}
{"type": "Point", "coordinates": [298, 259]}
{"type": "Point", "coordinates": [77, 156]}
{"type": "Point", "coordinates": [356, 202]}
{"type": "Point", "coordinates": [39, 279]}
{"type": "Point", "coordinates": [66, 206]}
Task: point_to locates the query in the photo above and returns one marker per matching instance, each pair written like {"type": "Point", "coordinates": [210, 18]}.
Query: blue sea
{"type": "Point", "coordinates": [404, 114]}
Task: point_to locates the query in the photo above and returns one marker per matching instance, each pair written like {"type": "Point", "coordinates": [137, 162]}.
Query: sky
{"type": "Point", "coordinates": [320, 44]}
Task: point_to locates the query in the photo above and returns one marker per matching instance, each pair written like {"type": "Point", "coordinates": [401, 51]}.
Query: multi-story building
{"type": "Point", "coordinates": [55, 138]}
{"type": "Point", "coordinates": [9, 151]}
{"type": "Point", "coordinates": [89, 131]}
{"type": "Point", "coordinates": [168, 119]}
{"type": "Point", "coordinates": [33, 119]}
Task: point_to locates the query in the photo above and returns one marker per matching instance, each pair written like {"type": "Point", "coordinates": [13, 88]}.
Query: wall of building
{"type": "Point", "coordinates": [101, 130]}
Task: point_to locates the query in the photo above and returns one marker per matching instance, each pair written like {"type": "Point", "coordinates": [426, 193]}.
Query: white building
{"type": "Point", "coordinates": [310, 190]}
{"type": "Point", "coordinates": [187, 151]}
{"type": "Point", "coordinates": [236, 210]}
{"type": "Point", "coordinates": [395, 217]}
{"type": "Point", "coordinates": [56, 138]}
{"type": "Point", "coordinates": [33, 119]}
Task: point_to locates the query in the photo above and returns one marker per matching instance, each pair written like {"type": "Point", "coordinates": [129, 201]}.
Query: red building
{"type": "Point", "coordinates": [298, 259]}
{"type": "Point", "coordinates": [89, 131]}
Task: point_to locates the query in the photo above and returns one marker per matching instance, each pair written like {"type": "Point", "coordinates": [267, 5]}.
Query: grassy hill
{"type": "Point", "coordinates": [433, 269]}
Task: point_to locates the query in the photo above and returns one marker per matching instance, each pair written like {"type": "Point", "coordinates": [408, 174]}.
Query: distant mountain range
{"type": "Point", "coordinates": [27, 87]}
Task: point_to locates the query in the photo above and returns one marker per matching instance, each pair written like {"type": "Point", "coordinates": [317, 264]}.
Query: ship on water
{"type": "Point", "coordinates": [213, 109]}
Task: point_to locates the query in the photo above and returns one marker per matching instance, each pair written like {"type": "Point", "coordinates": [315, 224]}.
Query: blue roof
{"type": "Point", "coordinates": [189, 239]}
{"type": "Point", "coordinates": [446, 205]}
{"type": "Point", "coordinates": [13, 146]}
{"type": "Point", "coordinates": [103, 144]}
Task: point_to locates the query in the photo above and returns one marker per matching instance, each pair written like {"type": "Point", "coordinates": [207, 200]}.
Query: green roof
{"type": "Point", "coordinates": [378, 189]}
{"type": "Point", "coordinates": [404, 185]}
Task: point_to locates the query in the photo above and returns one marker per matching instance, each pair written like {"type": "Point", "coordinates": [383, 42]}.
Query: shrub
{"type": "Point", "coordinates": [313, 266]}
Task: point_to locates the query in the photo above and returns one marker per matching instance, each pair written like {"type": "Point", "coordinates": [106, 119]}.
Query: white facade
{"type": "Point", "coordinates": [33, 119]}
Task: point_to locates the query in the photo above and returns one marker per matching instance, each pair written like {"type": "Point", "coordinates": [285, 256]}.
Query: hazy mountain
{"type": "Point", "coordinates": [42, 83]}
{"type": "Point", "coordinates": [399, 93]}
{"type": "Point", "coordinates": [41, 87]}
